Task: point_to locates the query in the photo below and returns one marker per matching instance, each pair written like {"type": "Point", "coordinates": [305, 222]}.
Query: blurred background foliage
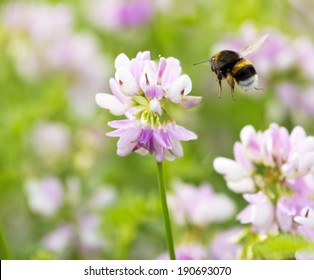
{"type": "Point", "coordinates": [51, 128]}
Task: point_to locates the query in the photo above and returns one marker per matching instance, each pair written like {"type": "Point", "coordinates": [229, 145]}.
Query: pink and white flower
{"type": "Point", "coordinates": [119, 14]}
{"type": "Point", "coordinates": [275, 170]}
{"type": "Point", "coordinates": [141, 89]}
{"type": "Point", "coordinates": [53, 47]}
{"type": "Point", "coordinates": [142, 84]}
{"type": "Point", "coordinates": [81, 233]}
{"type": "Point", "coordinates": [199, 205]}
{"type": "Point", "coordinates": [46, 196]}
{"type": "Point", "coordinates": [290, 156]}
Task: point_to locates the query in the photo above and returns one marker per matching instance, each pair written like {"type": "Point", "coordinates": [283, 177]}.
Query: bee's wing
{"type": "Point", "coordinates": [253, 47]}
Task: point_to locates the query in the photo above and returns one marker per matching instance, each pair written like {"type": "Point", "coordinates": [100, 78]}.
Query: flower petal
{"type": "Point", "coordinates": [154, 91]}
{"type": "Point", "coordinates": [126, 81]}
{"type": "Point", "coordinates": [111, 103]}
{"type": "Point", "coordinates": [114, 86]}
{"type": "Point", "coordinates": [297, 135]}
{"type": "Point", "coordinates": [121, 123]}
{"type": "Point", "coordinates": [245, 185]}
{"type": "Point", "coordinates": [155, 106]}
{"type": "Point", "coordinates": [190, 101]}
{"type": "Point", "coordinates": [122, 61]}
{"type": "Point", "coordinates": [180, 133]}
{"type": "Point", "coordinates": [161, 68]}
{"type": "Point", "coordinates": [171, 73]}
{"type": "Point", "coordinates": [230, 168]}
{"type": "Point", "coordinates": [149, 76]}
{"type": "Point", "coordinates": [246, 133]}
{"type": "Point", "coordinates": [180, 87]}
{"type": "Point", "coordinates": [177, 149]}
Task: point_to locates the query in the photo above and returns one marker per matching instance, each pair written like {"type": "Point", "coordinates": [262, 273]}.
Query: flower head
{"type": "Point", "coordinates": [274, 169]}
{"type": "Point", "coordinates": [142, 89]}
{"type": "Point", "coordinates": [267, 157]}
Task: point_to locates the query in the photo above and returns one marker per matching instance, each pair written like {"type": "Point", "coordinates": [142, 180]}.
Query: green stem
{"type": "Point", "coordinates": [163, 197]}
{"type": "Point", "coordinates": [4, 250]}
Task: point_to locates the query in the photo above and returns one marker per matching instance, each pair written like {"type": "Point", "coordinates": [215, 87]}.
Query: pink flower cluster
{"type": "Point", "coordinates": [198, 205]}
{"type": "Point", "coordinates": [119, 14]}
{"type": "Point", "coordinates": [142, 89]}
{"type": "Point", "coordinates": [47, 197]}
{"type": "Point", "coordinates": [275, 171]}
{"type": "Point", "coordinates": [43, 42]}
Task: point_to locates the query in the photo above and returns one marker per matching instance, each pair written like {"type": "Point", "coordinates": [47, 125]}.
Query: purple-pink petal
{"type": "Point", "coordinates": [154, 91]}
{"type": "Point", "coordinates": [180, 133]}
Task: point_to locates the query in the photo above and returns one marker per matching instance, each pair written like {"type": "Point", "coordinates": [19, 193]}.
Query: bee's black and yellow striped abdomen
{"type": "Point", "coordinates": [243, 70]}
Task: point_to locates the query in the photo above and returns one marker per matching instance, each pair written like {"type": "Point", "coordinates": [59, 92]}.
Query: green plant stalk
{"type": "Point", "coordinates": [162, 190]}
{"type": "Point", "coordinates": [4, 249]}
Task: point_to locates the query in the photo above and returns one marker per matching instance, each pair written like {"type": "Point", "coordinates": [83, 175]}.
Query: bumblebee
{"type": "Point", "coordinates": [231, 65]}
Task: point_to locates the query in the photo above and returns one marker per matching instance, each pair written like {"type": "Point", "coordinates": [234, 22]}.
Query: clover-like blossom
{"type": "Point", "coordinates": [54, 46]}
{"type": "Point", "coordinates": [141, 90]}
{"type": "Point", "coordinates": [198, 205]}
{"type": "Point", "coordinates": [263, 157]}
{"type": "Point", "coordinates": [119, 14]}
{"type": "Point", "coordinates": [46, 197]}
{"type": "Point", "coordinates": [275, 171]}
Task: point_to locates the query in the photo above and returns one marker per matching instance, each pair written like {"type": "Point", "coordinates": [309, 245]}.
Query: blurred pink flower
{"type": "Point", "coordinates": [259, 212]}
{"type": "Point", "coordinates": [81, 232]}
{"type": "Point", "coordinates": [51, 139]}
{"type": "Point", "coordinates": [121, 14]}
{"type": "Point", "coordinates": [53, 47]}
{"type": "Point", "coordinates": [141, 89]}
{"type": "Point", "coordinates": [46, 196]}
{"type": "Point", "coordinates": [305, 54]}
{"type": "Point", "coordinates": [225, 246]}
{"type": "Point", "coordinates": [58, 240]}
{"type": "Point", "coordinates": [299, 101]}
{"type": "Point", "coordinates": [84, 237]}
{"type": "Point", "coordinates": [199, 205]}
{"type": "Point", "coordinates": [188, 252]}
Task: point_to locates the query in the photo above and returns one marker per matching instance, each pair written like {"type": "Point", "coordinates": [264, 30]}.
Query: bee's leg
{"type": "Point", "coordinates": [219, 78]}
{"type": "Point", "coordinates": [258, 88]}
{"type": "Point", "coordinates": [230, 81]}
{"type": "Point", "coordinates": [220, 88]}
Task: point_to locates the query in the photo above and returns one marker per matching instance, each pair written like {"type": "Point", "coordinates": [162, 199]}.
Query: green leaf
{"type": "Point", "coordinates": [280, 247]}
